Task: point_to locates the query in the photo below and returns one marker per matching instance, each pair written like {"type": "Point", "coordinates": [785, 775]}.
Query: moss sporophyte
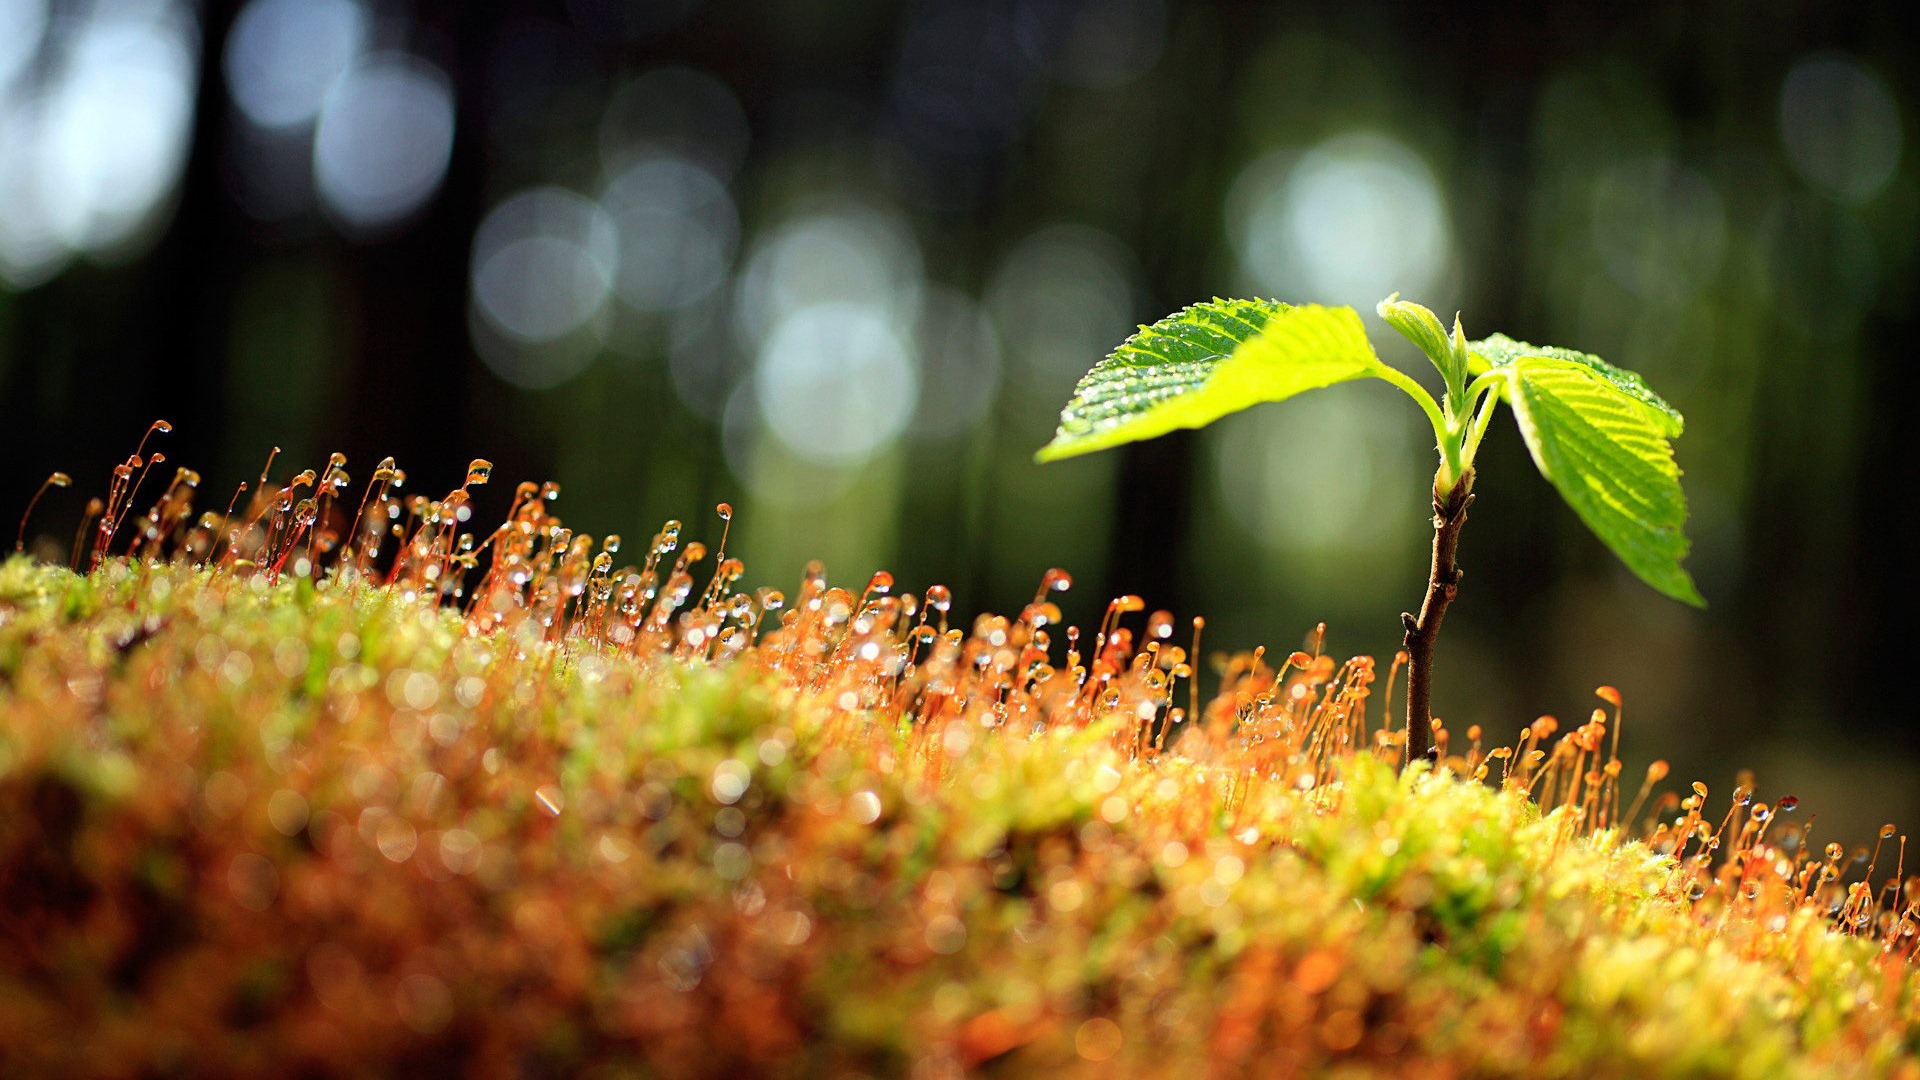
{"type": "Point", "coordinates": [327, 784]}
{"type": "Point", "coordinates": [1596, 432]}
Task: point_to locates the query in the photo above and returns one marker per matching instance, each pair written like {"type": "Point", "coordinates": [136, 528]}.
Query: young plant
{"type": "Point", "coordinates": [1596, 432]}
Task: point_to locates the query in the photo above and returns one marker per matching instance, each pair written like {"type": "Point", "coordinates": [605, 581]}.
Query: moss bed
{"type": "Point", "coordinates": [252, 826]}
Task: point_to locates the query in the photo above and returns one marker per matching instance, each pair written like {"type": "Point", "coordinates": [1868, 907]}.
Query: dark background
{"type": "Point", "coordinates": [839, 264]}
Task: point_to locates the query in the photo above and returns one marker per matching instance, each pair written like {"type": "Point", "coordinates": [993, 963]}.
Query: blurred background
{"type": "Point", "coordinates": [840, 264]}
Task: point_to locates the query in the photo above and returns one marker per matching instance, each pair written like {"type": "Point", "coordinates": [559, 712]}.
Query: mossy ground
{"type": "Point", "coordinates": [257, 828]}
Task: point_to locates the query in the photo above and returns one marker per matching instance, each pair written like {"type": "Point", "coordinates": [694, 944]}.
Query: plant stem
{"type": "Point", "coordinates": [1420, 397]}
{"type": "Point", "coordinates": [1478, 428]}
{"type": "Point", "coordinates": [1443, 581]}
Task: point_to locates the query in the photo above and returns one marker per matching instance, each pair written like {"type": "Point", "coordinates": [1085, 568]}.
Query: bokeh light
{"type": "Point", "coordinates": [544, 263]}
{"type": "Point", "coordinates": [283, 56]}
{"type": "Point", "coordinates": [677, 229]}
{"type": "Point", "coordinates": [1062, 298]}
{"type": "Point", "coordinates": [851, 253]}
{"type": "Point", "coordinates": [1840, 125]}
{"type": "Point", "coordinates": [539, 365]}
{"type": "Point", "coordinates": [1324, 480]}
{"type": "Point", "coordinates": [30, 252]}
{"type": "Point", "coordinates": [87, 158]}
{"type": "Point", "coordinates": [1349, 221]}
{"type": "Point", "coordinates": [22, 22]}
{"type": "Point", "coordinates": [836, 382]}
{"type": "Point", "coordinates": [384, 138]}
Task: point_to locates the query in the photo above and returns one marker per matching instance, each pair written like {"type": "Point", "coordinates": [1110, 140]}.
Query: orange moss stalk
{"type": "Point", "coordinates": [489, 804]}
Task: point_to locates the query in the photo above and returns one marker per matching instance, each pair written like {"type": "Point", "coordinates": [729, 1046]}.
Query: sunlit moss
{"type": "Point", "coordinates": [532, 813]}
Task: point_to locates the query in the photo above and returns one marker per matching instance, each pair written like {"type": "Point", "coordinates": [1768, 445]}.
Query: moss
{"type": "Point", "coordinates": [327, 828]}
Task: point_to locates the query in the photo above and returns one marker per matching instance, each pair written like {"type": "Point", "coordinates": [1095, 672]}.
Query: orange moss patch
{"type": "Point", "coordinates": [432, 802]}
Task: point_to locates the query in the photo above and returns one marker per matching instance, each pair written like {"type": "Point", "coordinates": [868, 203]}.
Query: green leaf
{"type": "Point", "coordinates": [1201, 363]}
{"type": "Point", "coordinates": [1606, 449]}
{"type": "Point", "coordinates": [1422, 327]}
{"type": "Point", "coordinates": [1500, 351]}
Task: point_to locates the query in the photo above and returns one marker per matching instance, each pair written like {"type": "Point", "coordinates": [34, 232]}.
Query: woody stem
{"type": "Point", "coordinates": [1443, 582]}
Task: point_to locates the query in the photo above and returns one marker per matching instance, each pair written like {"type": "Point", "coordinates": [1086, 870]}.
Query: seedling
{"type": "Point", "coordinates": [1596, 432]}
